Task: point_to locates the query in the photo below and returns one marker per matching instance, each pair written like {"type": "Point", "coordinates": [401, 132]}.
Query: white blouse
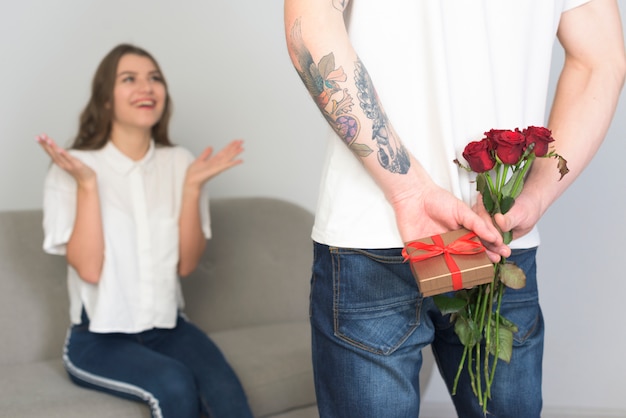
{"type": "Point", "coordinates": [140, 203]}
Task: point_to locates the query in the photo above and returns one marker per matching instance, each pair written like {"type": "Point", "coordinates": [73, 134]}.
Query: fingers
{"type": "Point", "coordinates": [226, 156]}
{"type": "Point", "coordinates": [235, 144]}
{"type": "Point", "coordinates": [487, 232]}
{"type": "Point", "coordinates": [482, 227]}
{"type": "Point", "coordinates": [520, 219]}
{"type": "Point", "coordinates": [498, 249]}
{"type": "Point", "coordinates": [494, 257]}
{"type": "Point", "coordinates": [57, 154]}
{"type": "Point", "coordinates": [210, 164]}
{"type": "Point", "coordinates": [503, 222]}
{"type": "Point", "coordinates": [82, 173]}
{"type": "Point", "coordinates": [230, 151]}
{"type": "Point", "coordinates": [206, 154]}
{"type": "Point", "coordinates": [45, 140]}
{"type": "Point", "coordinates": [436, 211]}
{"type": "Point", "coordinates": [46, 143]}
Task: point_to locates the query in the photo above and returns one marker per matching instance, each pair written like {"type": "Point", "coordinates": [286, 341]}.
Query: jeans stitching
{"type": "Point", "coordinates": [110, 385]}
{"type": "Point", "coordinates": [336, 271]}
{"type": "Point", "coordinates": [387, 259]}
{"type": "Point", "coordinates": [336, 264]}
{"type": "Point", "coordinates": [531, 330]}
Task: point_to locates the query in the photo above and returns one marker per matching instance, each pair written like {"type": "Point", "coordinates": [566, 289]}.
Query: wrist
{"type": "Point", "coordinates": [542, 188]}
{"type": "Point", "coordinates": [191, 190]}
{"type": "Point", "coordinates": [409, 185]}
{"type": "Point", "coordinates": [88, 185]}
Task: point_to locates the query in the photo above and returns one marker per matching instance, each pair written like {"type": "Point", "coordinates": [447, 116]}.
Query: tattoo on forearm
{"type": "Point", "coordinates": [391, 153]}
{"type": "Point", "coordinates": [323, 81]}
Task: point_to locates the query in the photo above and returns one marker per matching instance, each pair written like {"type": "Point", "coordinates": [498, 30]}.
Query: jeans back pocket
{"type": "Point", "coordinates": [376, 304]}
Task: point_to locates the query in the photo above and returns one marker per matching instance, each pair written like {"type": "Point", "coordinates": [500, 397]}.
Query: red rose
{"type": "Point", "coordinates": [509, 145]}
{"type": "Point", "coordinates": [539, 136]}
{"type": "Point", "coordinates": [478, 155]}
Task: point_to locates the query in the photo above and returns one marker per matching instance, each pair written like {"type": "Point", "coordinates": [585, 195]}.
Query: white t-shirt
{"type": "Point", "coordinates": [446, 72]}
{"type": "Point", "coordinates": [140, 203]}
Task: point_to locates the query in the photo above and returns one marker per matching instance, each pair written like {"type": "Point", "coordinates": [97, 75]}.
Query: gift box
{"type": "Point", "coordinates": [451, 261]}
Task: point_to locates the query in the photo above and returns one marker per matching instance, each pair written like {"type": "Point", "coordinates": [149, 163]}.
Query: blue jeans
{"type": "Point", "coordinates": [179, 372]}
{"type": "Point", "coordinates": [370, 324]}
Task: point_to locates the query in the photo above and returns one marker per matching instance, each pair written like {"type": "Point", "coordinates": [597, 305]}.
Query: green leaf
{"type": "Point", "coordinates": [512, 276]}
{"type": "Point", "coordinates": [506, 204]}
{"type": "Point", "coordinates": [467, 331]}
{"type": "Point", "coordinates": [448, 305]}
{"type": "Point", "coordinates": [507, 237]}
{"type": "Point", "coordinates": [488, 202]}
{"type": "Point", "coordinates": [481, 183]}
{"type": "Point", "coordinates": [508, 324]}
{"type": "Point", "coordinates": [464, 294]}
{"type": "Point", "coordinates": [507, 189]}
{"type": "Point", "coordinates": [505, 344]}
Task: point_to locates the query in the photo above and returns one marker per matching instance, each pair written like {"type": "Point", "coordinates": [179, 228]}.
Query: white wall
{"type": "Point", "coordinates": [229, 75]}
{"type": "Point", "coordinates": [226, 65]}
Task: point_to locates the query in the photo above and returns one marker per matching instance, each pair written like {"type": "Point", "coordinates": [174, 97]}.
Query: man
{"type": "Point", "coordinates": [405, 85]}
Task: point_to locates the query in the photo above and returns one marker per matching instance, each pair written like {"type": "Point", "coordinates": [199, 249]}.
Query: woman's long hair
{"type": "Point", "coordinates": [96, 119]}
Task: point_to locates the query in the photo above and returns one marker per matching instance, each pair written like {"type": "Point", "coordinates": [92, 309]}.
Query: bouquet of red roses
{"type": "Point", "coordinates": [501, 160]}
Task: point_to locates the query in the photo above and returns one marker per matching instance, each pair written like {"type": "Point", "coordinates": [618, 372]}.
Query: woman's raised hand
{"type": "Point", "coordinates": [209, 165]}
{"type": "Point", "coordinates": [76, 168]}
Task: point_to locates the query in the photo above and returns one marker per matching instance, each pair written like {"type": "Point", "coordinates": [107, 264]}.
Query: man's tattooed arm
{"type": "Point", "coordinates": [329, 87]}
{"type": "Point", "coordinates": [321, 50]}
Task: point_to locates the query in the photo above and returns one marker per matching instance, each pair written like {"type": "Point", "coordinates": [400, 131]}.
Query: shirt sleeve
{"type": "Point", "coordinates": [205, 217]}
{"type": "Point", "coordinates": [570, 4]}
{"type": "Point", "coordinates": [59, 210]}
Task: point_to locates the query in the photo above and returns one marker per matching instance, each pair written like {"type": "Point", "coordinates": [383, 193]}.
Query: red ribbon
{"type": "Point", "coordinates": [461, 246]}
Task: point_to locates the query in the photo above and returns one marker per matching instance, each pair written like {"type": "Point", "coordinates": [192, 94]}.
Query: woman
{"type": "Point", "coordinates": [129, 211]}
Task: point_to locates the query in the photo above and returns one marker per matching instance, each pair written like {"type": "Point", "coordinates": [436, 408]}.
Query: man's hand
{"type": "Point", "coordinates": [521, 218]}
{"type": "Point", "coordinates": [432, 210]}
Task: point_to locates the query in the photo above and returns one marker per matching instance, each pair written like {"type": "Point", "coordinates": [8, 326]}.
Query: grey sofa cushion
{"type": "Point", "coordinates": [273, 362]}
{"type": "Point", "coordinates": [33, 292]}
{"type": "Point", "coordinates": [42, 389]}
{"type": "Point", "coordinates": [250, 293]}
{"type": "Point", "coordinates": [257, 267]}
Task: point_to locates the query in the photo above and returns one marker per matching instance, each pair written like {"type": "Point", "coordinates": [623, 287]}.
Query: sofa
{"type": "Point", "coordinates": [249, 293]}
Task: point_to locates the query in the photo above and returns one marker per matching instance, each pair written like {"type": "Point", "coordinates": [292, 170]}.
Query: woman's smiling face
{"type": "Point", "coordinates": [139, 93]}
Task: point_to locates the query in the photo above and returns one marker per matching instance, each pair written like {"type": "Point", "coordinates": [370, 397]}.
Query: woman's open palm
{"type": "Point", "coordinates": [76, 168]}
{"type": "Point", "coordinates": [209, 165]}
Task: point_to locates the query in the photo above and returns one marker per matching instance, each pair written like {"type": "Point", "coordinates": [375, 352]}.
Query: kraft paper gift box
{"type": "Point", "coordinates": [451, 261]}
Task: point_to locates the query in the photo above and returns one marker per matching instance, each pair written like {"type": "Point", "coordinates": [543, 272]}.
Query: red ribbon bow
{"type": "Point", "coordinates": [461, 246]}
